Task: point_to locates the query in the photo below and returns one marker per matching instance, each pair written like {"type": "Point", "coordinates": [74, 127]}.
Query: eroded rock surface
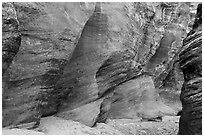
{"type": "Point", "coordinates": [11, 37]}
{"type": "Point", "coordinates": [78, 80]}
{"type": "Point", "coordinates": [138, 98]}
{"type": "Point", "coordinates": [75, 59]}
{"type": "Point", "coordinates": [49, 33]}
{"type": "Point", "coordinates": [58, 126]}
{"type": "Point", "coordinates": [190, 60]}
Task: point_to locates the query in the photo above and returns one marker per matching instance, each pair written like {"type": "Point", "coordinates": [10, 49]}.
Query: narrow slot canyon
{"type": "Point", "coordinates": [102, 68]}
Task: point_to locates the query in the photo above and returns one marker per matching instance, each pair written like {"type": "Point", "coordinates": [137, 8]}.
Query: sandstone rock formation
{"type": "Point", "coordinates": [77, 59]}
{"type": "Point", "coordinates": [48, 35]}
{"type": "Point", "coordinates": [145, 103]}
{"type": "Point", "coordinates": [11, 37]}
{"type": "Point", "coordinates": [190, 60]}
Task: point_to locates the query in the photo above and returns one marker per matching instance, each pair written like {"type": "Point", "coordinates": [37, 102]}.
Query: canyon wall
{"type": "Point", "coordinates": [90, 61]}
{"type": "Point", "coordinates": [190, 60]}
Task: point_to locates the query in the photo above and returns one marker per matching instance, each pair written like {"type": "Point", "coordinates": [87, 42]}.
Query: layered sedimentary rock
{"type": "Point", "coordinates": [81, 78]}
{"type": "Point", "coordinates": [11, 37]}
{"type": "Point", "coordinates": [128, 92]}
{"type": "Point", "coordinates": [138, 98]}
{"type": "Point", "coordinates": [74, 56]}
{"type": "Point", "coordinates": [173, 16]}
{"type": "Point", "coordinates": [113, 67]}
{"type": "Point", "coordinates": [118, 68]}
{"type": "Point", "coordinates": [78, 83]}
{"type": "Point", "coordinates": [170, 87]}
{"type": "Point", "coordinates": [161, 54]}
{"type": "Point", "coordinates": [190, 60]}
{"type": "Point", "coordinates": [78, 80]}
{"type": "Point", "coordinates": [49, 33]}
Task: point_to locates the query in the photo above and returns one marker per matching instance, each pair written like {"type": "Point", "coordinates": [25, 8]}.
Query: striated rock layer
{"type": "Point", "coordinates": [78, 80]}
{"type": "Point", "coordinates": [49, 33]}
{"type": "Point", "coordinates": [11, 37]}
{"type": "Point", "coordinates": [138, 98]}
{"type": "Point", "coordinates": [74, 59]}
{"type": "Point", "coordinates": [97, 67]}
{"type": "Point", "coordinates": [190, 60]}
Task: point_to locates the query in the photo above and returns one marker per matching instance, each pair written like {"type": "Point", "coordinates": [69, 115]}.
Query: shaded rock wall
{"type": "Point", "coordinates": [82, 83]}
{"type": "Point", "coordinates": [170, 22]}
{"type": "Point", "coordinates": [190, 60]}
{"type": "Point", "coordinates": [72, 56]}
{"type": "Point", "coordinates": [138, 97]}
{"type": "Point", "coordinates": [49, 33]}
{"type": "Point", "coordinates": [11, 37]}
{"type": "Point", "coordinates": [78, 80]}
{"type": "Point", "coordinates": [164, 57]}
{"type": "Point", "coordinates": [161, 54]}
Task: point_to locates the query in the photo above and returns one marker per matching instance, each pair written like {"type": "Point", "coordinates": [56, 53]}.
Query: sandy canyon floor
{"type": "Point", "coordinates": [57, 126]}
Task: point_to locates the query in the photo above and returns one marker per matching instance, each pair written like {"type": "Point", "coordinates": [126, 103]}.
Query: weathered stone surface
{"type": "Point", "coordinates": [11, 37]}
{"type": "Point", "coordinates": [59, 126]}
{"type": "Point", "coordinates": [17, 131]}
{"type": "Point", "coordinates": [49, 32]}
{"type": "Point", "coordinates": [174, 79]}
{"type": "Point", "coordinates": [80, 81]}
{"type": "Point", "coordinates": [191, 93]}
{"type": "Point", "coordinates": [128, 94]}
{"type": "Point", "coordinates": [118, 68]}
{"type": "Point", "coordinates": [86, 114]}
{"type": "Point", "coordinates": [174, 25]}
{"type": "Point", "coordinates": [178, 23]}
{"type": "Point", "coordinates": [75, 55]}
{"type": "Point", "coordinates": [161, 54]}
{"type": "Point", "coordinates": [138, 97]}
{"type": "Point", "coordinates": [159, 65]}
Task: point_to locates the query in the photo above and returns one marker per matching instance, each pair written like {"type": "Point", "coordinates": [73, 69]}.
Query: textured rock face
{"type": "Point", "coordinates": [191, 93]}
{"type": "Point", "coordinates": [78, 80]}
{"type": "Point", "coordinates": [94, 75]}
{"type": "Point", "coordinates": [73, 56]}
{"type": "Point", "coordinates": [49, 34]}
{"type": "Point", "coordinates": [11, 37]}
{"type": "Point", "coordinates": [161, 53]}
{"type": "Point", "coordinates": [138, 97]}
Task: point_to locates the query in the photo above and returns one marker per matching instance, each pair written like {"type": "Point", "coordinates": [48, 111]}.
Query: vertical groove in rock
{"type": "Point", "coordinates": [190, 60]}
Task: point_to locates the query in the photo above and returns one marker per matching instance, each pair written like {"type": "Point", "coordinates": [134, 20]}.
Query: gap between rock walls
{"type": "Point", "coordinates": [94, 62]}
